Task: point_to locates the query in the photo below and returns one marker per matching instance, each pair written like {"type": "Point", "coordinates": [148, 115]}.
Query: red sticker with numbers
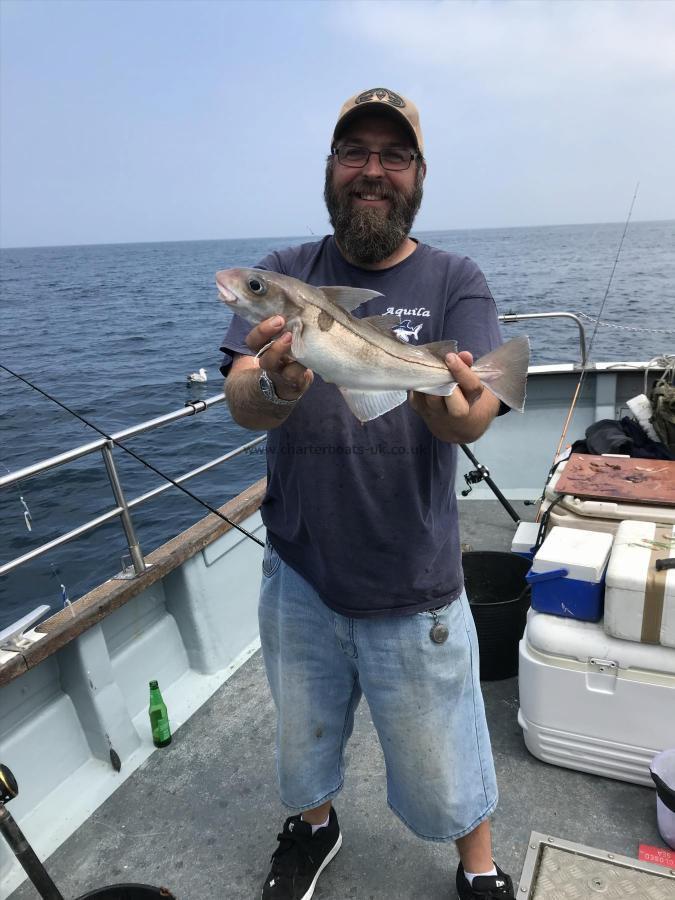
{"type": "Point", "coordinates": [657, 855]}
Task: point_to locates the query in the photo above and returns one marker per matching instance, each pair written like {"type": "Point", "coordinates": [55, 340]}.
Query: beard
{"type": "Point", "coordinates": [369, 236]}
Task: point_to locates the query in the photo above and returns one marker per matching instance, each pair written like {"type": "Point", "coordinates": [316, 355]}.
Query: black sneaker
{"type": "Point", "coordinates": [300, 858]}
{"type": "Point", "coordinates": [484, 887]}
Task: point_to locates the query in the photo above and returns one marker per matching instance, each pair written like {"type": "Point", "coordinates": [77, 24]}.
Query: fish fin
{"type": "Point", "coordinates": [439, 349]}
{"type": "Point", "coordinates": [297, 343]}
{"type": "Point", "coordinates": [384, 323]}
{"type": "Point", "coordinates": [504, 371]}
{"type": "Point", "coordinates": [443, 390]}
{"type": "Point", "coordinates": [349, 297]}
{"type": "Point", "coordinates": [367, 405]}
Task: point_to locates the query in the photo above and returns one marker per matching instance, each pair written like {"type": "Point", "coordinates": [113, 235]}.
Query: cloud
{"type": "Point", "coordinates": [530, 48]}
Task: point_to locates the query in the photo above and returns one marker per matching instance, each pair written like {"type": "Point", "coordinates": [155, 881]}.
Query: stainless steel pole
{"type": "Point", "coordinates": [125, 515]}
{"type": "Point", "coordinates": [521, 317]}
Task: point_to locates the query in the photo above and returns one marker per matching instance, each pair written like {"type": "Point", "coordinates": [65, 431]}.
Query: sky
{"type": "Point", "coordinates": [184, 120]}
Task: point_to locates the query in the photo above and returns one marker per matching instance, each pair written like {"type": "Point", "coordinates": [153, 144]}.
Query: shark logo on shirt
{"type": "Point", "coordinates": [404, 331]}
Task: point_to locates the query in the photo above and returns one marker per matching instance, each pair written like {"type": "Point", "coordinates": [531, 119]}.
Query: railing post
{"type": "Point", "coordinates": [517, 317]}
{"type": "Point", "coordinates": [125, 515]}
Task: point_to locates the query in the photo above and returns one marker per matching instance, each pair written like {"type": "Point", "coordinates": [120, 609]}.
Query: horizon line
{"type": "Point", "coordinates": [318, 236]}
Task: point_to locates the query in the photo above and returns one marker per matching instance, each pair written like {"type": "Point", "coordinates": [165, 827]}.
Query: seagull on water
{"type": "Point", "coordinates": [199, 377]}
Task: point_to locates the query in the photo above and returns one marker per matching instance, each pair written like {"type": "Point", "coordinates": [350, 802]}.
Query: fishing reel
{"type": "Point", "coordinates": [475, 476]}
{"type": "Point", "coordinates": [8, 786]}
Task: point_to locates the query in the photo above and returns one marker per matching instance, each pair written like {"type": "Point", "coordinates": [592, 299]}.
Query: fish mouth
{"type": "Point", "coordinates": [227, 295]}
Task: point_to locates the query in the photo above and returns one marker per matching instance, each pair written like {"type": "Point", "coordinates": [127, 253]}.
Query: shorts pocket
{"type": "Point", "coordinates": [271, 560]}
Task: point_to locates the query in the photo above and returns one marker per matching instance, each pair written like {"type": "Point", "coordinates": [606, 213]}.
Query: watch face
{"type": "Point", "coordinates": [269, 392]}
{"type": "Point", "coordinates": [267, 387]}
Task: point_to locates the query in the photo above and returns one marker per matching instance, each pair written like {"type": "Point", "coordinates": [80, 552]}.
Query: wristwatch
{"type": "Point", "coordinates": [269, 392]}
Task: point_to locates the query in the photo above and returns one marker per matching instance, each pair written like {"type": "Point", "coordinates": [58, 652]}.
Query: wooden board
{"type": "Point", "coordinates": [626, 480]}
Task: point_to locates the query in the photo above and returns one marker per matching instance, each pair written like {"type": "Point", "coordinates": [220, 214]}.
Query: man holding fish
{"type": "Point", "coordinates": [362, 587]}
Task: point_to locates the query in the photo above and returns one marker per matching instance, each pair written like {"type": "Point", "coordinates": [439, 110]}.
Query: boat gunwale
{"type": "Point", "coordinates": [82, 614]}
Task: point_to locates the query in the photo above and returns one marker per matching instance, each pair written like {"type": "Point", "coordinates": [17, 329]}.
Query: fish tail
{"type": "Point", "coordinates": [504, 371]}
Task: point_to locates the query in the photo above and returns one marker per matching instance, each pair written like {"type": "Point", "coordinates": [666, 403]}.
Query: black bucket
{"type": "Point", "coordinates": [499, 597]}
{"type": "Point", "coordinates": [128, 892]}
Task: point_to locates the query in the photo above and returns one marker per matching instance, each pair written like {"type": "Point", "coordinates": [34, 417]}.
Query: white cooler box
{"type": "Point", "coordinates": [592, 702]}
{"type": "Point", "coordinates": [639, 601]}
{"type": "Point", "coordinates": [598, 515]}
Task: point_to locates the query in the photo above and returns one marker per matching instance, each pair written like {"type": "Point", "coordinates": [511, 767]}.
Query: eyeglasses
{"type": "Point", "coordinates": [390, 158]}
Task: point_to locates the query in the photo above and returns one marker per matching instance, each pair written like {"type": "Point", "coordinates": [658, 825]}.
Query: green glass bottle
{"type": "Point", "coordinates": [159, 718]}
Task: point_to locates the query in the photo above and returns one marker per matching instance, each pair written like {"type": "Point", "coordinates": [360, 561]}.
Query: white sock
{"type": "Point", "coordinates": [471, 875]}
{"type": "Point", "coordinates": [315, 828]}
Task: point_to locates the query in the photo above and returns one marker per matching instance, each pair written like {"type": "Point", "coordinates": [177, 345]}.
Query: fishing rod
{"type": "Point", "coordinates": [482, 473]}
{"type": "Point", "coordinates": [586, 360]}
{"type": "Point", "coordinates": [135, 455]}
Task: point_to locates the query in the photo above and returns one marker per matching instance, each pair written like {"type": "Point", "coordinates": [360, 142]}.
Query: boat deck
{"type": "Point", "coordinates": [201, 816]}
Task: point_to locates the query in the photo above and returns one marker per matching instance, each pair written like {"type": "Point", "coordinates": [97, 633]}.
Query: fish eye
{"type": "Point", "coordinates": [257, 285]}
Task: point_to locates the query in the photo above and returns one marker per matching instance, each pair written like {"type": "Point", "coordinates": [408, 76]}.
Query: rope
{"type": "Point", "coordinates": [627, 327]}
{"type": "Point", "coordinates": [667, 363]}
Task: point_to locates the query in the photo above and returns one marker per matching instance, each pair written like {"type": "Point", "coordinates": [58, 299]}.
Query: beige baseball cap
{"type": "Point", "coordinates": [382, 99]}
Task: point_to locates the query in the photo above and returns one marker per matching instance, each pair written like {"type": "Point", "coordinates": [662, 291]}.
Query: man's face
{"type": "Point", "coordinates": [372, 209]}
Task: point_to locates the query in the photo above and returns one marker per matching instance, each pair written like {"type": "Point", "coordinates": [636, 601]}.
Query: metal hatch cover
{"type": "Point", "coordinates": [555, 869]}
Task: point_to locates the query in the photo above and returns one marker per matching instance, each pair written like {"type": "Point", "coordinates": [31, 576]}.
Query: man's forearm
{"type": "Point", "coordinates": [248, 407]}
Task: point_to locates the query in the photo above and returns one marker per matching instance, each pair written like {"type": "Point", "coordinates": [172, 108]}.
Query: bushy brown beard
{"type": "Point", "coordinates": [369, 236]}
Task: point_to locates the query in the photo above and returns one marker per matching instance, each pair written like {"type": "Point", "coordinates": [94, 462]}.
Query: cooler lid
{"type": "Point", "coordinates": [583, 641]}
{"type": "Point", "coordinates": [637, 545]}
{"type": "Point", "coordinates": [525, 537]}
{"type": "Point", "coordinates": [583, 553]}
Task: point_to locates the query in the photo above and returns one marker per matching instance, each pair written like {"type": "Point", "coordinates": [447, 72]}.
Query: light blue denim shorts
{"type": "Point", "coordinates": [425, 700]}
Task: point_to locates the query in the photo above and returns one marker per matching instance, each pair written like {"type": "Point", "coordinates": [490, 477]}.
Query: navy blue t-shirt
{"type": "Point", "coordinates": [367, 513]}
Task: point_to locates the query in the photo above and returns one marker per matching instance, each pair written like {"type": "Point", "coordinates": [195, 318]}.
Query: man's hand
{"type": "Point", "coordinates": [466, 413]}
{"type": "Point", "coordinates": [248, 406]}
{"type": "Point", "coordinates": [289, 377]}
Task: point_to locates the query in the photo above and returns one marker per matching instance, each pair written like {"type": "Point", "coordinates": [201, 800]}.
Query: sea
{"type": "Point", "coordinates": [113, 331]}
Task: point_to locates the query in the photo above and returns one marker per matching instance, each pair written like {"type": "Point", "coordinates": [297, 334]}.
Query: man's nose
{"type": "Point", "coordinates": [373, 168]}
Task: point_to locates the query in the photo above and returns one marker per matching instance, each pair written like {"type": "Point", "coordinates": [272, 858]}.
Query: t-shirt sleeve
{"type": "Point", "coordinates": [234, 341]}
{"type": "Point", "coordinates": [471, 316]}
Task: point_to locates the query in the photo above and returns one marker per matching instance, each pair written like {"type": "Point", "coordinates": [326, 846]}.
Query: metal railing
{"type": "Point", "coordinates": [521, 317]}
{"type": "Point", "coordinates": [123, 508]}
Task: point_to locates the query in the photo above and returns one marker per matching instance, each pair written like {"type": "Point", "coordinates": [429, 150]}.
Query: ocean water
{"type": "Point", "coordinates": [113, 330]}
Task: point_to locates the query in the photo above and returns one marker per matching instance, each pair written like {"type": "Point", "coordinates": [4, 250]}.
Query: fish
{"type": "Point", "coordinates": [372, 369]}
{"type": "Point", "coordinates": [405, 330]}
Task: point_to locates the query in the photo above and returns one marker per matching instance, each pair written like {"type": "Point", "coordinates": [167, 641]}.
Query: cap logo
{"type": "Point", "coordinates": [380, 94]}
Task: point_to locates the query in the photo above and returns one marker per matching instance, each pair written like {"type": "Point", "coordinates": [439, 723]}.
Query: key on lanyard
{"type": "Point", "coordinates": [439, 632]}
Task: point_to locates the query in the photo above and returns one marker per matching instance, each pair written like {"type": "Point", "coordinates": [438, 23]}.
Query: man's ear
{"type": "Point", "coordinates": [424, 168]}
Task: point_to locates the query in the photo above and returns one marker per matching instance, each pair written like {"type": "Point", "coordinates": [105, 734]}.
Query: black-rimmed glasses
{"type": "Point", "coordinates": [391, 158]}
